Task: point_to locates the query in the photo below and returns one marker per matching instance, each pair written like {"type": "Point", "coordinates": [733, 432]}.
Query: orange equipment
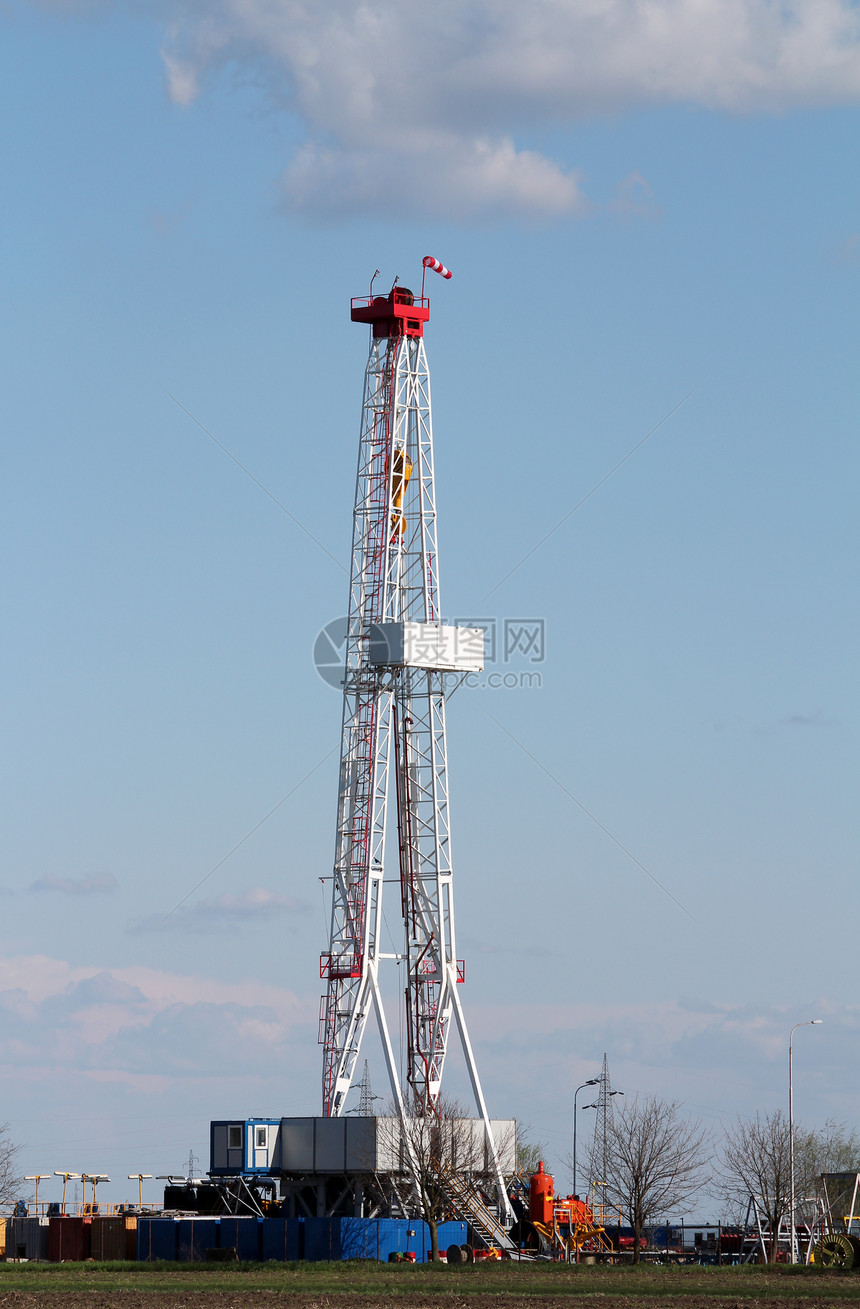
{"type": "Point", "coordinates": [565, 1224]}
{"type": "Point", "coordinates": [541, 1197]}
{"type": "Point", "coordinates": [572, 1211]}
{"type": "Point", "coordinates": [399, 483]}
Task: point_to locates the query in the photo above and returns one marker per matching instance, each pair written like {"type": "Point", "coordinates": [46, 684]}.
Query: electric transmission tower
{"type": "Point", "coordinates": [600, 1148]}
{"type": "Point", "coordinates": [393, 747]}
{"type": "Point", "coordinates": [366, 1096]}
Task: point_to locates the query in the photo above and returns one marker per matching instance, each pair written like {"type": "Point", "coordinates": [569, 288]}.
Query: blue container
{"type": "Point", "coordinates": [359, 1238]}
{"type": "Point", "coordinates": [291, 1239]}
{"type": "Point", "coordinates": [369, 1238]}
{"type": "Point", "coordinates": [322, 1239]}
{"type": "Point", "coordinates": [449, 1234]}
{"type": "Point", "coordinates": [196, 1236]}
{"type": "Point", "coordinates": [157, 1238]}
{"type": "Point", "coordinates": [280, 1239]}
{"type": "Point", "coordinates": [244, 1235]}
{"type": "Point", "coordinates": [391, 1237]}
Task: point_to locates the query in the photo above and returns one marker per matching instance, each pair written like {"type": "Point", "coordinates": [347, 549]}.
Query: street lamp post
{"type": "Point", "coordinates": [592, 1081]}
{"type": "Point", "coordinates": [95, 1178]}
{"type": "Point", "coordinates": [810, 1022]}
{"type": "Point", "coordinates": [37, 1178]}
{"type": "Point", "coordinates": [65, 1177]}
{"type": "Point", "coordinates": [139, 1178]}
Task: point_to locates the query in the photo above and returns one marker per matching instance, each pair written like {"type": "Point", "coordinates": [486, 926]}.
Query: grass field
{"type": "Point", "coordinates": [368, 1285]}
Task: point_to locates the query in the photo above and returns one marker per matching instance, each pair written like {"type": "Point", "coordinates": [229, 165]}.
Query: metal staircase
{"type": "Point", "coordinates": [469, 1206]}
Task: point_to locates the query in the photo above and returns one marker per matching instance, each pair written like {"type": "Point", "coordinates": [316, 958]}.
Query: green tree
{"type": "Point", "coordinates": [529, 1153]}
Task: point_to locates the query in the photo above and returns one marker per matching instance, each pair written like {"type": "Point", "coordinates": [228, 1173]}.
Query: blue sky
{"type": "Point", "coordinates": [652, 214]}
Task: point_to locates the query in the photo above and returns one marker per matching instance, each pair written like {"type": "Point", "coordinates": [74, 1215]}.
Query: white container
{"type": "Point", "coordinates": [434, 646]}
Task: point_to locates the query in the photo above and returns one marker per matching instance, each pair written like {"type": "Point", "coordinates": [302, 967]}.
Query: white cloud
{"type": "Point", "coordinates": [93, 884]}
{"type": "Point", "coordinates": [69, 1033]}
{"type": "Point", "coordinates": [182, 83]}
{"type": "Point", "coordinates": [413, 114]}
{"type": "Point", "coordinates": [223, 912]}
{"type": "Point", "coordinates": [720, 1059]}
{"type": "Point", "coordinates": [459, 180]}
{"type": "Point", "coordinates": [122, 1022]}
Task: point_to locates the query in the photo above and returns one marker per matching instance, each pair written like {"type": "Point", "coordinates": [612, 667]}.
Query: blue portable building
{"type": "Point", "coordinates": [247, 1146]}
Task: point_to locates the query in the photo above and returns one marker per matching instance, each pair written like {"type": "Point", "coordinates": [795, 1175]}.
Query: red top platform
{"type": "Point", "coordinates": [397, 314]}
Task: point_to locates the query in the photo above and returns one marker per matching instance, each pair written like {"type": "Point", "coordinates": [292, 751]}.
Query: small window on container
{"type": "Point", "coordinates": [262, 1137]}
{"type": "Point", "coordinates": [234, 1136]}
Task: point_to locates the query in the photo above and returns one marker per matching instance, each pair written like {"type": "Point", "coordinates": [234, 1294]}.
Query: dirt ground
{"type": "Point", "coordinates": [266, 1299]}
{"type": "Point", "coordinates": [374, 1286]}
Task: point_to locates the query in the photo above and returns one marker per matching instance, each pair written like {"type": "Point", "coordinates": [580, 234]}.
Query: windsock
{"type": "Point", "coordinates": [430, 262]}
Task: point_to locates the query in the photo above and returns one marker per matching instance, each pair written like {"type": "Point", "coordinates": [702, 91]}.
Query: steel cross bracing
{"type": "Point", "coordinates": [393, 722]}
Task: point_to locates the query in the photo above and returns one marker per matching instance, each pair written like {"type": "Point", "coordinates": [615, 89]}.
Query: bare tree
{"type": "Point", "coordinates": [435, 1147]}
{"type": "Point", "coordinates": [655, 1161]}
{"type": "Point", "coordinates": [755, 1160]}
{"type": "Point", "coordinates": [11, 1180]}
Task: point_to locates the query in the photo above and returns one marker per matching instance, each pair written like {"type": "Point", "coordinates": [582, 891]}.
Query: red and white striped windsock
{"type": "Point", "coordinates": [430, 262]}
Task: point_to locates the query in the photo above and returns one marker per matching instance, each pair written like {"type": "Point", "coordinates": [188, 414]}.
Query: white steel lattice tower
{"type": "Point", "coordinates": [393, 744]}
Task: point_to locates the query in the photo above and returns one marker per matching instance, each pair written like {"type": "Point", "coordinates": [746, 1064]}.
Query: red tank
{"type": "Point", "coordinates": [540, 1197]}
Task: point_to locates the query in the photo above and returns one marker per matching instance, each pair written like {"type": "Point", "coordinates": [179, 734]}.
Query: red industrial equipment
{"type": "Point", "coordinates": [574, 1212]}
{"type": "Point", "coordinates": [560, 1224]}
{"type": "Point", "coordinates": [541, 1196]}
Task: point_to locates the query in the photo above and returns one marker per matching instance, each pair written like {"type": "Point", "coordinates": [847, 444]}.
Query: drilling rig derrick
{"type": "Point", "coordinates": [393, 747]}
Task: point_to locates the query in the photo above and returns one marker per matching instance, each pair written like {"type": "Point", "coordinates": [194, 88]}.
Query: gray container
{"type": "Point", "coordinates": [330, 1145]}
{"type": "Point", "coordinates": [27, 1238]}
{"type": "Point", "coordinates": [297, 1145]}
{"type": "Point", "coordinates": [366, 1145]}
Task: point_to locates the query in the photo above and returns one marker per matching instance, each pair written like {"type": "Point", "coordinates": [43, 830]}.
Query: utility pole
{"type": "Point", "coordinates": [810, 1022]}
{"type": "Point", "coordinates": [592, 1081]}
